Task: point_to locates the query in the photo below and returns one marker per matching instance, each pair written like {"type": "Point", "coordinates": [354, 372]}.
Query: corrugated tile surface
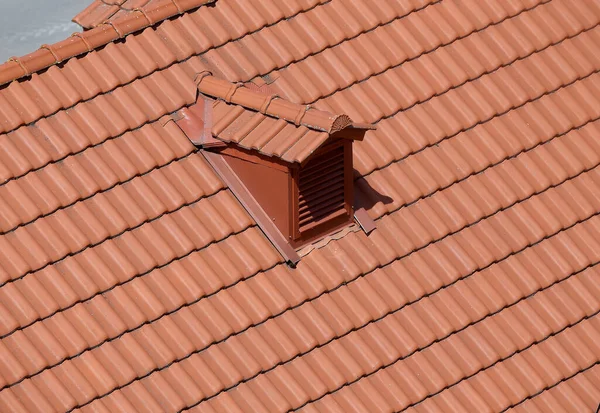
{"type": "Point", "coordinates": [132, 280]}
{"type": "Point", "coordinates": [579, 393]}
{"type": "Point", "coordinates": [267, 123]}
{"type": "Point", "coordinates": [270, 136]}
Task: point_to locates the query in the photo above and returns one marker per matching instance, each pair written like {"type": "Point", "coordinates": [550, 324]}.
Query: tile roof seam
{"type": "Point", "coordinates": [131, 330]}
{"type": "Point", "coordinates": [4, 82]}
{"type": "Point", "coordinates": [492, 24]}
{"type": "Point", "coordinates": [97, 192]}
{"type": "Point", "coordinates": [391, 312]}
{"type": "Point", "coordinates": [91, 99]}
{"type": "Point", "coordinates": [347, 39]}
{"type": "Point", "coordinates": [478, 123]}
{"type": "Point", "coordinates": [492, 165]}
{"type": "Point", "coordinates": [143, 274]}
{"type": "Point", "coordinates": [547, 388]}
{"type": "Point", "coordinates": [79, 152]}
{"type": "Point", "coordinates": [109, 238]}
{"type": "Point", "coordinates": [496, 261]}
{"type": "Point", "coordinates": [180, 359]}
{"type": "Point", "coordinates": [516, 202]}
{"type": "Point", "coordinates": [466, 377]}
{"type": "Point", "coordinates": [370, 322]}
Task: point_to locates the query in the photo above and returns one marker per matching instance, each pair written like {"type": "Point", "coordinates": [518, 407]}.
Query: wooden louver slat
{"type": "Point", "coordinates": [321, 188]}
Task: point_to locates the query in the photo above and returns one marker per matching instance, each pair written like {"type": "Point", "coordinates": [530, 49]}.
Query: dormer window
{"type": "Point", "coordinates": [289, 165]}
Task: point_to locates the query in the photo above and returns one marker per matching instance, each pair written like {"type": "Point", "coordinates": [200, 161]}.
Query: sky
{"type": "Point", "coordinates": [27, 24]}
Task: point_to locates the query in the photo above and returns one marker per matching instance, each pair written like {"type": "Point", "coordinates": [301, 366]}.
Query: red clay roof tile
{"type": "Point", "coordinates": [132, 279]}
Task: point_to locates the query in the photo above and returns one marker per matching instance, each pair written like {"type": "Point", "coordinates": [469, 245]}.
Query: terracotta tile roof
{"type": "Point", "coordinates": [131, 279]}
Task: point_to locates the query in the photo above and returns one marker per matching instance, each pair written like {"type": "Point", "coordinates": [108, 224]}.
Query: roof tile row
{"type": "Point", "coordinates": [125, 108]}
{"type": "Point", "coordinates": [501, 91]}
{"type": "Point", "coordinates": [158, 241]}
{"type": "Point", "coordinates": [375, 51]}
{"type": "Point", "coordinates": [525, 374]}
{"type": "Point", "coordinates": [566, 152]}
{"type": "Point", "coordinates": [297, 38]}
{"type": "Point", "coordinates": [579, 393]}
{"type": "Point", "coordinates": [70, 183]}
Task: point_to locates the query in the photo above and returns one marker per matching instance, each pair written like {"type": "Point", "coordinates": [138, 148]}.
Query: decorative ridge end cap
{"type": "Point", "coordinates": [339, 123]}
{"type": "Point", "coordinates": [88, 40]}
{"type": "Point", "coordinates": [274, 106]}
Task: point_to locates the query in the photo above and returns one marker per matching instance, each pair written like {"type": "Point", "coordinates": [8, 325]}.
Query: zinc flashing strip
{"type": "Point", "coordinates": [240, 191]}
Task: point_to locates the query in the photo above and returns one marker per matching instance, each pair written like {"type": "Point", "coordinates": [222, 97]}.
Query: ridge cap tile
{"type": "Point", "coordinates": [274, 106]}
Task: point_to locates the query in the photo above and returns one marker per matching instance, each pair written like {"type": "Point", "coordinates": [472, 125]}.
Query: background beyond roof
{"type": "Point", "coordinates": [26, 24]}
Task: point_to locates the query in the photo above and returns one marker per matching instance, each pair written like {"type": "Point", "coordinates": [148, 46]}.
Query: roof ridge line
{"type": "Point", "coordinates": [273, 105]}
{"type": "Point", "coordinates": [84, 42]}
{"type": "Point", "coordinates": [110, 3]}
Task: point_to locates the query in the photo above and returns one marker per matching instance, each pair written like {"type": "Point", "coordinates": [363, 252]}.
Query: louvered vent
{"type": "Point", "coordinates": [321, 188]}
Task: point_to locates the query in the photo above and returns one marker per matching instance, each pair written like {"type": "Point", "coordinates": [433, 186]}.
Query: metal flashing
{"type": "Point", "coordinates": [365, 222]}
{"type": "Point", "coordinates": [252, 206]}
{"type": "Point", "coordinates": [196, 122]}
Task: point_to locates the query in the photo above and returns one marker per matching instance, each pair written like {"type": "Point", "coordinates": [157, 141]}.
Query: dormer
{"type": "Point", "coordinates": [290, 165]}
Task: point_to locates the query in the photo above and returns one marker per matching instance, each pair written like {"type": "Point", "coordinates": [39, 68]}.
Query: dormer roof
{"type": "Point", "coordinates": [269, 124]}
